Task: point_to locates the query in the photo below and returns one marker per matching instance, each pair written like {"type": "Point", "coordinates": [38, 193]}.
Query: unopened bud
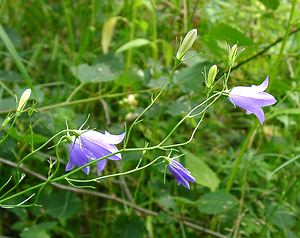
{"type": "Point", "coordinates": [24, 98]}
{"type": "Point", "coordinates": [212, 73]}
{"type": "Point", "coordinates": [232, 54]}
{"type": "Point", "coordinates": [186, 44]}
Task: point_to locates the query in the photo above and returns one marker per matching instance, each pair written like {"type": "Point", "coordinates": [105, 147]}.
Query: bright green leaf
{"type": "Point", "coordinates": [202, 172]}
{"type": "Point", "coordinates": [133, 44]}
{"type": "Point", "coordinates": [34, 232]}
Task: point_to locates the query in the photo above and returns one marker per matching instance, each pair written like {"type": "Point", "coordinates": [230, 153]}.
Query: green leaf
{"type": "Point", "coordinates": [131, 78]}
{"type": "Point", "coordinates": [7, 103]}
{"type": "Point", "coordinates": [204, 175]}
{"type": "Point", "coordinates": [133, 44]}
{"type": "Point", "coordinates": [18, 60]}
{"type": "Point", "coordinates": [271, 4]}
{"type": "Point", "coordinates": [9, 75]}
{"type": "Point", "coordinates": [107, 70]}
{"type": "Point", "coordinates": [224, 32]}
{"type": "Point", "coordinates": [127, 227]}
{"type": "Point", "coordinates": [107, 33]}
{"type": "Point", "coordinates": [61, 205]}
{"type": "Point", "coordinates": [216, 202]}
{"type": "Point", "coordinates": [283, 219]}
{"type": "Point", "coordinates": [191, 78]}
{"type": "Point", "coordinates": [167, 202]}
{"type": "Point", "coordinates": [21, 137]}
{"type": "Point", "coordinates": [35, 232]}
{"type": "Point", "coordinates": [157, 83]}
{"type": "Point", "coordinates": [178, 107]}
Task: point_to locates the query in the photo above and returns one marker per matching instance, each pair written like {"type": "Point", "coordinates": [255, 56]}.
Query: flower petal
{"type": "Point", "coordinates": [259, 99]}
{"type": "Point", "coordinates": [179, 178]}
{"type": "Point", "coordinates": [114, 139]}
{"type": "Point", "coordinates": [263, 86]}
{"type": "Point", "coordinates": [259, 113]}
{"type": "Point", "coordinates": [251, 107]}
{"type": "Point", "coordinates": [183, 171]}
{"type": "Point", "coordinates": [106, 138]}
{"type": "Point", "coordinates": [79, 156]}
{"type": "Point", "coordinates": [70, 165]}
{"type": "Point", "coordinates": [99, 150]}
{"type": "Point", "coordinates": [101, 165]}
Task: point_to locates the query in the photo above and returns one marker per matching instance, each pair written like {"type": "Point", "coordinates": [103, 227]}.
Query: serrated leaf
{"type": "Point", "coordinates": [204, 175]}
{"type": "Point", "coordinates": [216, 202]}
{"type": "Point", "coordinates": [133, 44]}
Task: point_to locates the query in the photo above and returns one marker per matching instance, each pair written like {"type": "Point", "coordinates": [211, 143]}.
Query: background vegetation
{"type": "Point", "coordinates": [105, 59]}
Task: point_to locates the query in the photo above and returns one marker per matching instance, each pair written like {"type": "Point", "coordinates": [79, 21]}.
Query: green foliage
{"type": "Point", "coordinates": [107, 70]}
{"type": "Point", "coordinates": [204, 175]}
{"type": "Point", "coordinates": [218, 202]}
{"type": "Point", "coordinates": [107, 59]}
{"type": "Point", "coordinates": [272, 4]}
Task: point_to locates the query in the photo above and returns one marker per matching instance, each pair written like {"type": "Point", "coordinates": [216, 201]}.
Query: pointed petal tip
{"type": "Point", "coordinates": [101, 165]}
{"type": "Point", "coordinates": [114, 139]}
{"type": "Point", "coordinates": [86, 170]}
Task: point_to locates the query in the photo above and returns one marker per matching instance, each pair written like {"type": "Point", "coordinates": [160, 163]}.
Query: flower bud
{"type": "Point", "coordinates": [212, 73]}
{"type": "Point", "coordinates": [232, 54]}
{"type": "Point", "coordinates": [186, 44]}
{"type": "Point", "coordinates": [24, 98]}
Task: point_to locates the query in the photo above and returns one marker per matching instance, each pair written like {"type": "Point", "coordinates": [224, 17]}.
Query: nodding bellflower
{"type": "Point", "coordinates": [91, 145]}
{"type": "Point", "coordinates": [181, 174]}
{"type": "Point", "coordinates": [252, 99]}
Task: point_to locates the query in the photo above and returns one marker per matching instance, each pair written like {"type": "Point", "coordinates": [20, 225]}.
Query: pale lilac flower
{"type": "Point", "coordinates": [91, 145]}
{"type": "Point", "coordinates": [252, 99]}
{"type": "Point", "coordinates": [181, 174]}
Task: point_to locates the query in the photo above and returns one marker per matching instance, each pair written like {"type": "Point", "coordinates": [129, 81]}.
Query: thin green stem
{"type": "Point", "coordinates": [238, 160]}
{"type": "Point", "coordinates": [80, 101]}
{"type": "Point", "coordinates": [141, 114]}
{"type": "Point", "coordinates": [188, 116]}
{"type": "Point", "coordinates": [117, 174]}
{"type": "Point", "coordinates": [42, 146]}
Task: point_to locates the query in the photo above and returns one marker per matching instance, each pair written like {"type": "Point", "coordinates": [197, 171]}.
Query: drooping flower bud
{"type": "Point", "coordinates": [181, 174]}
{"type": "Point", "coordinates": [186, 44]}
{"type": "Point", "coordinates": [24, 98]}
{"type": "Point", "coordinates": [212, 73]}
